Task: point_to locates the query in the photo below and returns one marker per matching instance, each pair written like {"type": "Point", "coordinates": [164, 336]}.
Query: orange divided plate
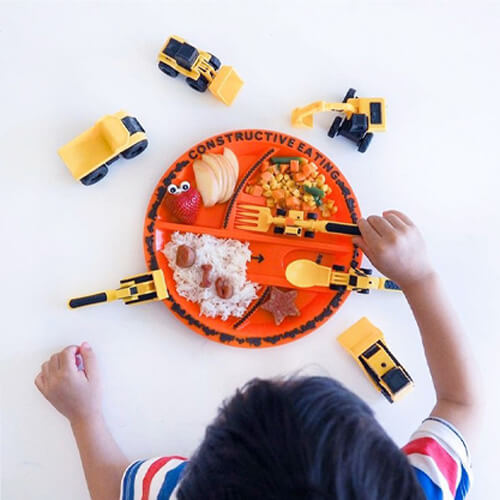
{"type": "Point", "coordinates": [270, 252]}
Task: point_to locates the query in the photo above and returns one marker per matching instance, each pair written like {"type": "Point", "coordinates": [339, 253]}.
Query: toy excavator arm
{"type": "Point", "coordinates": [303, 117]}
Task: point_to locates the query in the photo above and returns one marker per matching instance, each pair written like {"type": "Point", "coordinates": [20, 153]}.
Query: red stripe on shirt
{"type": "Point", "coordinates": [153, 469]}
{"type": "Point", "coordinates": [444, 461]}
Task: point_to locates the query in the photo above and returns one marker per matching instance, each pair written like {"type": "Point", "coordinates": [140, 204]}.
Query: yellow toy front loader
{"type": "Point", "coordinates": [201, 69]}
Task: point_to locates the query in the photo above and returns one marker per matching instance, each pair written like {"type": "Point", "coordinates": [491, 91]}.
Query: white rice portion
{"type": "Point", "coordinates": [228, 259]}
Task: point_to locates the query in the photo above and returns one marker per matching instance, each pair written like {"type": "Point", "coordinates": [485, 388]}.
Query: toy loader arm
{"type": "Point", "coordinates": [303, 117]}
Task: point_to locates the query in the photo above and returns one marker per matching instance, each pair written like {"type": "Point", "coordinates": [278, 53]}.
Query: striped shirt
{"type": "Point", "coordinates": [155, 479]}
{"type": "Point", "coordinates": [441, 460]}
{"type": "Point", "coordinates": [436, 451]}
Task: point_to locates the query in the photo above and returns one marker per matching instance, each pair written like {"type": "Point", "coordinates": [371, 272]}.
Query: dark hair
{"type": "Point", "coordinates": [300, 438]}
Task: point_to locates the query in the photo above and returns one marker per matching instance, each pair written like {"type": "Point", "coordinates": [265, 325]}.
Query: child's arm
{"type": "Point", "coordinates": [395, 247]}
{"type": "Point", "coordinates": [76, 394]}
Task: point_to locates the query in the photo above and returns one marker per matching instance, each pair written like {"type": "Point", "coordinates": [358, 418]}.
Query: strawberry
{"type": "Point", "coordinates": [183, 202]}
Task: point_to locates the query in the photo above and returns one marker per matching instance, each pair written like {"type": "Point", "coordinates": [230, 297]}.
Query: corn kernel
{"type": "Point", "coordinates": [279, 177]}
{"type": "Point", "coordinates": [311, 203]}
{"type": "Point", "coordinates": [270, 203]}
{"type": "Point", "coordinates": [330, 203]}
{"type": "Point", "coordinates": [267, 194]}
{"type": "Point", "coordinates": [286, 177]}
{"type": "Point", "coordinates": [296, 193]}
{"type": "Point", "coordinates": [273, 184]}
{"type": "Point", "coordinates": [307, 183]}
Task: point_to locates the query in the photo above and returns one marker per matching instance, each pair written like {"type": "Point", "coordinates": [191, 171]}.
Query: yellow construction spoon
{"type": "Point", "coordinates": [304, 273]}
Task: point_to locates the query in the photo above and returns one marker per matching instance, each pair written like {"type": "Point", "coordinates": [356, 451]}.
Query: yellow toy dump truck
{"type": "Point", "coordinates": [366, 344]}
{"type": "Point", "coordinates": [363, 116]}
{"type": "Point", "coordinates": [201, 69]}
{"type": "Point", "coordinates": [89, 155]}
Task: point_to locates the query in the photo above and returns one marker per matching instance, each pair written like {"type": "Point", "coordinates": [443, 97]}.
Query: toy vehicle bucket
{"type": "Point", "coordinates": [226, 85]}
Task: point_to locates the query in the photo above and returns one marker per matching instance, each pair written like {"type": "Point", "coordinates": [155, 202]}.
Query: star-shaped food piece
{"type": "Point", "coordinates": [281, 304]}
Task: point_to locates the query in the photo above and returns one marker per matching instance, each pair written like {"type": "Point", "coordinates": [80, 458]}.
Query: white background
{"type": "Point", "coordinates": [62, 66]}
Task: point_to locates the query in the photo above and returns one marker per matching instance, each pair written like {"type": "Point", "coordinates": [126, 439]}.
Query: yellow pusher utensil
{"type": "Point", "coordinates": [257, 218]}
{"type": "Point", "coordinates": [304, 273]}
{"type": "Point", "coordinates": [141, 288]}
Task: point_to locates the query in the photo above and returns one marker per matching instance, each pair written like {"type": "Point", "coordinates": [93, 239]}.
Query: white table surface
{"type": "Point", "coordinates": [64, 65]}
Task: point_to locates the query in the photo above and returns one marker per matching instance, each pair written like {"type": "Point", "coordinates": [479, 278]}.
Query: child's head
{"type": "Point", "coordinates": [302, 438]}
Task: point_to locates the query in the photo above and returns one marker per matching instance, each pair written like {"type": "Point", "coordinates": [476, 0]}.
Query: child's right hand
{"type": "Point", "coordinates": [395, 247]}
{"type": "Point", "coordinates": [74, 393]}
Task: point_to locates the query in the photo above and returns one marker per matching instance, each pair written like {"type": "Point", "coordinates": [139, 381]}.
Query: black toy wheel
{"type": "Point", "coordinates": [350, 94]}
{"type": "Point", "coordinates": [338, 288]}
{"type": "Point", "coordinates": [334, 129]}
{"type": "Point", "coordinates": [363, 291]}
{"type": "Point", "coordinates": [214, 62]}
{"type": "Point", "coordinates": [312, 215]}
{"type": "Point", "coordinates": [94, 176]}
{"type": "Point", "coordinates": [279, 230]}
{"type": "Point", "coordinates": [168, 70]}
{"type": "Point", "coordinates": [112, 160]}
{"type": "Point", "coordinates": [309, 234]}
{"type": "Point", "coordinates": [135, 150]}
{"type": "Point", "coordinates": [365, 142]}
{"type": "Point", "coordinates": [369, 272]}
{"type": "Point", "coordinates": [281, 212]}
{"type": "Point", "coordinates": [199, 85]}
{"type": "Point", "coordinates": [336, 267]}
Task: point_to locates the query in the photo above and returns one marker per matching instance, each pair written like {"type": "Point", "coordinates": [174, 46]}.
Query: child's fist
{"type": "Point", "coordinates": [395, 247]}
{"type": "Point", "coordinates": [74, 393]}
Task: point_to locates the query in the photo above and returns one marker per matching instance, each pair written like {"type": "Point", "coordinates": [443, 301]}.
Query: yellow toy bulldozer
{"type": "Point", "coordinates": [201, 69]}
{"type": "Point", "coordinates": [363, 116]}
{"type": "Point", "coordinates": [367, 345]}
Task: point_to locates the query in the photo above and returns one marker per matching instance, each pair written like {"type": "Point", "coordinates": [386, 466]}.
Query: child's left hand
{"type": "Point", "coordinates": [74, 393]}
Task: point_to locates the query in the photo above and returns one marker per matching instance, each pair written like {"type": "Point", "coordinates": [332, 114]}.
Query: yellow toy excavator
{"type": "Point", "coordinates": [362, 117]}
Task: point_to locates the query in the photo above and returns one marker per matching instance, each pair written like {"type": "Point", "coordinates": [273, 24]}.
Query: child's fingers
{"type": "Point", "coordinates": [68, 358]}
{"type": "Point", "coordinates": [369, 234]}
{"type": "Point", "coordinates": [380, 225]}
{"type": "Point", "coordinates": [360, 242]}
{"type": "Point", "coordinates": [39, 382]}
{"type": "Point", "coordinates": [89, 361]}
{"type": "Point", "coordinates": [54, 362]}
{"type": "Point", "coordinates": [45, 370]}
{"type": "Point", "coordinates": [401, 215]}
{"type": "Point", "coordinates": [395, 221]}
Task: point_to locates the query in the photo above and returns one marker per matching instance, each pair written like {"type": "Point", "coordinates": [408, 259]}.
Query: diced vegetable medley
{"type": "Point", "coordinates": [293, 183]}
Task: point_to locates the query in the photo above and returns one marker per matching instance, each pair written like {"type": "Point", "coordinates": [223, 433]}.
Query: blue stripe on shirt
{"type": "Point", "coordinates": [129, 480]}
{"type": "Point", "coordinates": [463, 486]}
{"type": "Point", "coordinates": [170, 482]}
{"type": "Point", "coordinates": [431, 490]}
